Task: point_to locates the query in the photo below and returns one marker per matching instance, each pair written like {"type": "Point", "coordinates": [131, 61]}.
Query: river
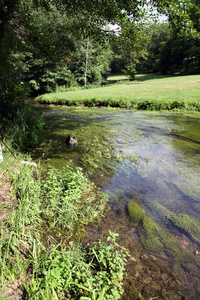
{"type": "Point", "coordinates": [148, 158]}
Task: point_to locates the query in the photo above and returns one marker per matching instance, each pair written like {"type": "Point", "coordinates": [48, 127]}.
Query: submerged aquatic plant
{"type": "Point", "coordinates": [136, 212]}
{"type": "Point", "coordinates": [155, 238]}
{"type": "Point", "coordinates": [180, 221]}
{"type": "Point", "coordinates": [133, 158]}
{"type": "Point", "coordinates": [97, 150]}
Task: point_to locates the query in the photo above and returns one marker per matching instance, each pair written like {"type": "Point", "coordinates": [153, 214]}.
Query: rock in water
{"type": "Point", "coordinates": [71, 139]}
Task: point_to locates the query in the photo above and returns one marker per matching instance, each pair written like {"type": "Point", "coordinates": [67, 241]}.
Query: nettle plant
{"type": "Point", "coordinates": [64, 198]}
{"type": "Point", "coordinates": [46, 265]}
{"type": "Point", "coordinates": [93, 273]}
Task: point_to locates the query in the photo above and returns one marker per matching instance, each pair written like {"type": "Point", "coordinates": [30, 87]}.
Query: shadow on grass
{"type": "Point", "coordinates": [121, 78]}
{"type": "Point", "coordinates": [151, 76]}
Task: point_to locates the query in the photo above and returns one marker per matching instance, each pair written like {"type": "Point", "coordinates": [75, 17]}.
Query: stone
{"type": "Point", "coordinates": [132, 259]}
{"type": "Point", "coordinates": [71, 139]}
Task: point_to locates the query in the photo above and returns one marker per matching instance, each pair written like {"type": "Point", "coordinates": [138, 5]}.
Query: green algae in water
{"type": "Point", "coordinates": [111, 196]}
{"type": "Point", "coordinates": [157, 239]}
{"type": "Point", "coordinates": [119, 192]}
{"type": "Point", "coordinates": [136, 212]}
{"type": "Point", "coordinates": [85, 125]}
{"type": "Point", "coordinates": [95, 150]}
{"type": "Point", "coordinates": [153, 239]}
{"type": "Point", "coordinates": [181, 221]}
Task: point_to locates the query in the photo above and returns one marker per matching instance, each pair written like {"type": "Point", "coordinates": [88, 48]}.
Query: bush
{"type": "Point", "coordinates": [79, 273]}
{"type": "Point", "coordinates": [34, 242]}
{"type": "Point", "coordinates": [26, 129]}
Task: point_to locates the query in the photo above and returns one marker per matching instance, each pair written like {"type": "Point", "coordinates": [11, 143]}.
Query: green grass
{"type": "Point", "coordinates": [40, 249]}
{"type": "Point", "coordinates": [151, 92]}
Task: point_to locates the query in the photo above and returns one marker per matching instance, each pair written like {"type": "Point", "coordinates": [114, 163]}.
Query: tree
{"type": "Point", "coordinates": [22, 30]}
{"type": "Point", "coordinates": [159, 35]}
{"type": "Point", "coordinates": [48, 43]}
{"type": "Point", "coordinates": [91, 62]}
{"type": "Point", "coordinates": [131, 43]}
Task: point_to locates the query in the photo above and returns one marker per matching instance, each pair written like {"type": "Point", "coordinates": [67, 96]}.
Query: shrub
{"type": "Point", "coordinates": [26, 130]}
{"type": "Point", "coordinates": [45, 264]}
{"type": "Point", "coordinates": [79, 273]}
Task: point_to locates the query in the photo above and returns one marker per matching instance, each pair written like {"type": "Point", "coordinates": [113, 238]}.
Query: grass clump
{"type": "Point", "coordinates": [40, 250]}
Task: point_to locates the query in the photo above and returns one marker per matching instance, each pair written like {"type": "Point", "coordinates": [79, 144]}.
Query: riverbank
{"type": "Point", "coordinates": [43, 218]}
{"type": "Point", "coordinates": [151, 150]}
{"type": "Point", "coordinates": [147, 92]}
{"type": "Point", "coordinates": [39, 254]}
{"type": "Point", "coordinates": [110, 134]}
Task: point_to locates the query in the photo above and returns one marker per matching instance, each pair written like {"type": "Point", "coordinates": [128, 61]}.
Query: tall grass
{"type": "Point", "coordinates": [25, 130]}
{"type": "Point", "coordinates": [148, 92]}
{"type": "Point", "coordinates": [39, 249]}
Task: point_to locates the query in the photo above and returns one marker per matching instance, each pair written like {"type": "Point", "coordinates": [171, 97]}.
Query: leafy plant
{"type": "Point", "coordinates": [34, 242]}
{"type": "Point", "coordinates": [81, 274]}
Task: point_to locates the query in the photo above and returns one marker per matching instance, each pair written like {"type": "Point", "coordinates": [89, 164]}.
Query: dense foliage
{"type": "Point", "coordinates": [49, 45]}
{"type": "Point", "coordinates": [38, 242]}
{"type": "Point", "coordinates": [172, 51]}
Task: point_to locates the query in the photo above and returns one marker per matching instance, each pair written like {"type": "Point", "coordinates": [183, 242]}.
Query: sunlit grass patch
{"type": "Point", "coordinates": [148, 92]}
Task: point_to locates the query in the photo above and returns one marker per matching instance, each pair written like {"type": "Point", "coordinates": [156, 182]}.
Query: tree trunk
{"type": "Point", "coordinates": [86, 61]}
{"type": "Point", "coordinates": [7, 9]}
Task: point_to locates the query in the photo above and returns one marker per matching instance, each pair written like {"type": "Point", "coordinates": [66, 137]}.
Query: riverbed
{"type": "Point", "coordinates": [149, 158]}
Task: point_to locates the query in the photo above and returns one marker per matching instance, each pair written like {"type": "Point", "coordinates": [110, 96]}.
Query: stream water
{"type": "Point", "coordinates": [150, 158]}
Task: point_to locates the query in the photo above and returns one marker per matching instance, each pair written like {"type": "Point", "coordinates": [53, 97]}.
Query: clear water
{"type": "Point", "coordinates": [152, 158]}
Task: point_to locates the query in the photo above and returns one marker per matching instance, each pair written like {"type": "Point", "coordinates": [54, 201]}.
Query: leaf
{"type": "Point", "coordinates": [102, 294]}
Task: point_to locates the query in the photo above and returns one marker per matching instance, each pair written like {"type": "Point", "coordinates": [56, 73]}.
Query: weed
{"type": "Point", "coordinates": [34, 241]}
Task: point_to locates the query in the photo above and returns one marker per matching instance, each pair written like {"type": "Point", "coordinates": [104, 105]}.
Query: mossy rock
{"type": "Point", "coordinates": [135, 211]}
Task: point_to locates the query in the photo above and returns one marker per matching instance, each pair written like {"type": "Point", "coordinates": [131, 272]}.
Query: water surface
{"type": "Point", "coordinates": [150, 158]}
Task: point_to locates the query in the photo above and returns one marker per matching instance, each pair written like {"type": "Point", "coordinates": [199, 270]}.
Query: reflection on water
{"type": "Point", "coordinates": [146, 157]}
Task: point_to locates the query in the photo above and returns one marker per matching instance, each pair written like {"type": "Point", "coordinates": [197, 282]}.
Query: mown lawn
{"type": "Point", "coordinates": [146, 92]}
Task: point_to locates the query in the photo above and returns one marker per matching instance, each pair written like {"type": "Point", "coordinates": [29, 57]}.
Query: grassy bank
{"type": "Point", "coordinates": [43, 219]}
{"type": "Point", "coordinates": [147, 92]}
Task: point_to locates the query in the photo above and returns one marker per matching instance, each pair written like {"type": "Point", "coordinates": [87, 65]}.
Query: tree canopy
{"type": "Point", "coordinates": [45, 43]}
